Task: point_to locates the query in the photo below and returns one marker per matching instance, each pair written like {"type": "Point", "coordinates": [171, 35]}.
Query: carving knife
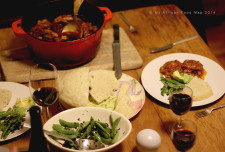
{"type": "Point", "coordinates": [116, 51]}
{"type": "Point", "coordinates": [172, 44]}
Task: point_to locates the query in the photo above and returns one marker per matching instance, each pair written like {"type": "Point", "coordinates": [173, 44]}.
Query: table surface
{"type": "Point", "coordinates": [158, 26]}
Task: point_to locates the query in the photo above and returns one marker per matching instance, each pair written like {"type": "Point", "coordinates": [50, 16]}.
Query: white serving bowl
{"type": "Point", "coordinates": [83, 114]}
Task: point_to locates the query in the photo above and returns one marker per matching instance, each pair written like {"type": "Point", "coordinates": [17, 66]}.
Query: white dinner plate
{"type": "Point", "coordinates": [215, 76]}
{"type": "Point", "coordinates": [18, 91]}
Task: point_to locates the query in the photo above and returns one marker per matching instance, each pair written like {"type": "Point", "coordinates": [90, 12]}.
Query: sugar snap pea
{"type": "Point", "coordinates": [107, 129]}
{"type": "Point", "coordinates": [68, 124]}
{"type": "Point", "coordinates": [107, 141]}
{"type": "Point", "coordinates": [85, 124]}
{"type": "Point", "coordinates": [103, 134]}
{"type": "Point", "coordinates": [88, 129]}
{"type": "Point", "coordinates": [102, 128]}
{"type": "Point", "coordinates": [115, 138]}
{"type": "Point", "coordinates": [103, 124]}
{"type": "Point", "coordinates": [56, 132]}
{"type": "Point", "coordinates": [97, 136]}
{"type": "Point", "coordinates": [114, 127]}
{"type": "Point", "coordinates": [167, 84]}
{"type": "Point", "coordinates": [72, 136]}
{"type": "Point", "coordinates": [60, 129]}
{"type": "Point", "coordinates": [77, 132]}
{"type": "Point", "coordinates": [111, 120]}
{"type": "Point", "coordinates": [170, 80]}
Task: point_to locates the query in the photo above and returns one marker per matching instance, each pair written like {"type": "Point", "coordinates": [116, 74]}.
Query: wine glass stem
{"type": "Point", "coordinates": [45, 114]}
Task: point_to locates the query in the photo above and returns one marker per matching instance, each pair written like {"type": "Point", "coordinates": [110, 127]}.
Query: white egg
{"type": "Point", "coordinates": [148, 140]}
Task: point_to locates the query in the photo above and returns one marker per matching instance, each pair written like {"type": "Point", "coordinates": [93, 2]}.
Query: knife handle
{"type": "Point", "coordinates": [116, 31]}
{"type": "Point", "coordinates": [162, 48]}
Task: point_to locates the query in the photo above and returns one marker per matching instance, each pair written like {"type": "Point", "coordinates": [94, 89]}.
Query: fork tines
{"type": "Point", "coordinates": [202, 113]}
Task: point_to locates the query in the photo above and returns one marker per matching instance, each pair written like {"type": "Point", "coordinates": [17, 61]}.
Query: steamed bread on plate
{"type": "Point", "coordinates": [5, 97]}
{"type": "Point", "coordinates": [123, 101]}
{"type": "Point", "coordinates": [75, 90]}
{"type": "Point", "coordinates": [80, 85]}
{"type": "Point", "coordinates": [102, 84]}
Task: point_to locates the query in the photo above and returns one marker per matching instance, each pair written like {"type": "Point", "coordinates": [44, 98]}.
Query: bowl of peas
{"type": "Point", "coordinates": [101, 125]}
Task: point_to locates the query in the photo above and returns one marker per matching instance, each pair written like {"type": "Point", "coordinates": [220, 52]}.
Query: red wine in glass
{"type": "Point", "coordinates": [45, 96]}
{"type": "Point", "coordinates": [183, 139]}
{"type": "Point", "coordinates": [183, 134]}
{"type": "Point", "coordinates": [180, 103]}
{"type": "Point", "coordinates": [44, 86]}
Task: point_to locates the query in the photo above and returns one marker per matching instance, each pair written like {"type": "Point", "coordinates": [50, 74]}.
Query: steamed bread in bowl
{"type": "Point", "coordinates": [82, 114]}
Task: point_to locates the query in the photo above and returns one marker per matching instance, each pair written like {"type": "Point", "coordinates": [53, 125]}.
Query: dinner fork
{"type": "Point", "coordinates": [208, 111]}
{"type": "Point", "coordinates": [132, 29]}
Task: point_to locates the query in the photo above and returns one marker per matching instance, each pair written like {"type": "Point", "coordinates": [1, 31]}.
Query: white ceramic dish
{"type": "Point", "coordinates": [215, 77]}
{"type": "Point", "coordinates": [83, 114]}
{"type": "Point", "coordinates": [18, 91]}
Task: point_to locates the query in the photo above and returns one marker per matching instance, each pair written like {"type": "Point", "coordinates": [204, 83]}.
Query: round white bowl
{"type": "Point", "coordinates": [83, 114]}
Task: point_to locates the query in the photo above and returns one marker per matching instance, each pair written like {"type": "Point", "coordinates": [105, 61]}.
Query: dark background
{"type": "Point", "coordinates": [11, 10]}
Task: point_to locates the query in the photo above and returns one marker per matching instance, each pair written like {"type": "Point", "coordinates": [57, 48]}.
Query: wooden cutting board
{"type": "Point", "coordinates": [16, 60]}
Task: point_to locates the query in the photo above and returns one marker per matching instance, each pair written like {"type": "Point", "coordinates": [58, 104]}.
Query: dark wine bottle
{"type": "Point", "coordinates": [38, 142]}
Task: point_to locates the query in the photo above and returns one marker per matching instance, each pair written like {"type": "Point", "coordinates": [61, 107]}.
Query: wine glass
{"type": "Point", "coordinates": [183, 134]}
{"type": "Point", "coordinates": [44, 85]}
{"type": "Point", "coordinates": [180, 99]}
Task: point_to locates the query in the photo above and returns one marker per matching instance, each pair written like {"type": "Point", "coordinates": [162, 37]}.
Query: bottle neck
{"type": "Point", "coordinates": [38, 141]}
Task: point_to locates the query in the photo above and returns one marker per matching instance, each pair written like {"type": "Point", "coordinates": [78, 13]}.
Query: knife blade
{"type": "Point", "coordinates": [116, 51]}
{"type": "Point", "coordinates": [172, 44]}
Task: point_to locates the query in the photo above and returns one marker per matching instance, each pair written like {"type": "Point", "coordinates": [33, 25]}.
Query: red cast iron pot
{"type": "Point", "coordinates": [63, 54]}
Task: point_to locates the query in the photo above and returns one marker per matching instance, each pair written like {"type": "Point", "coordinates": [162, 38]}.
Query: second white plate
{"type": "Point", "coordinates": [18, 91]}
{"type": "Point", "coordinates": [215, 76]}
